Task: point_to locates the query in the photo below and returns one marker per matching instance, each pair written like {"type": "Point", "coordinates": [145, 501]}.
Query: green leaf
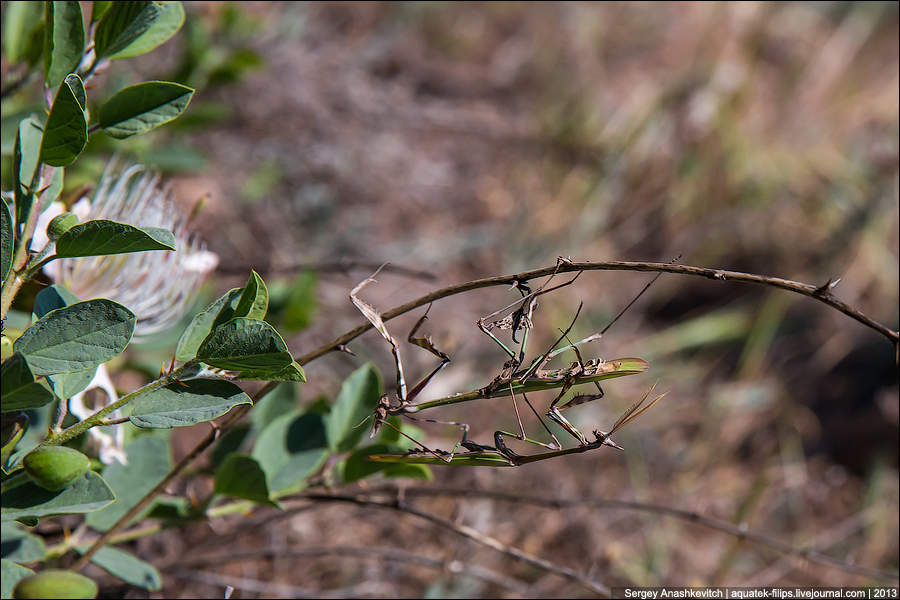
{"type": "Point", "coordinates": [289, 450]}
{"type": "Point", "coordinates": [26, 158]}
{"type": "Point", "coordinates": [10, 572]}
{"type": "Point", "coordinates": [121, 24]}
{"type": "Point", "coordinates": [65, 133]}
{"type": "Point", "coordinates": [101, 237]}
{"type": "Point", "coordinates": [20, 390]}
{"type": "Point", "coordinates": [245, 344]}
{"type": "Point", "coordinates": [77, 337]}
{"type": "Point", "coordinates": [187, 403]}
{"type": "Point", "coordinates": [218, 312]}
{"type": "Point", "coordinates": [55, 187]}
{"type": "Point", "coordinates": [356, 467]}
{"type": "Point", "coordinates": [254, 300]}
{"type": "Point", "coordinates": [87, 494]}
{"type": "Point", "coordinates": [66, 385]}
{"type": "Point", "coordinates": [19, 22]}
{"type": "Point", "coordinates": [242, 477]}
{"type": "Point", "coordinates": [280, 401]}
{"type": "Point", "coordinates": [19, 545]}
{"type": "Point", "coordinates": [148, 463]}
{"type": "Point", "coordinates": [63, 40]}
{"type": "Point", "coordinates": [7, 242]}
{"type": "Point", "coordinates": [51, 298]}
{"type": "Point", "coordinates": [301, 302]}
{"type": "Point", "coordinates": [98, 9]}
{"type": "Point", "coordinates": [293, 372]}
{"type": "Point", "coordinates": [139, 108]}
{"type": "Point", "coordinates": [167, 24]}
{"type": "Point", "coordinates": [408, 472]}
{"type": "Point", "coordinates": [359, 395]}
{"type": "Point", "coordinates": [126, 567]}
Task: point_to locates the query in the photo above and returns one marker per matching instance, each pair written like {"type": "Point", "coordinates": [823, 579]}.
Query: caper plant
{"type": "Point", "coordinates": [49, 467]}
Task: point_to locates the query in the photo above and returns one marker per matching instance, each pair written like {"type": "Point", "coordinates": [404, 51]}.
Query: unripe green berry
{"type": "Point", "coordinates": [61, 224]}
{"type": "Point", "coordinates": [55, 467]}
{"type": "Point", "coordinates": [56, 583]}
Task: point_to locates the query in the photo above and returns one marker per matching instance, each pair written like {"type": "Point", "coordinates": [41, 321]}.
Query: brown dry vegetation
{"type": "Point", "coordinates": [470, 140]}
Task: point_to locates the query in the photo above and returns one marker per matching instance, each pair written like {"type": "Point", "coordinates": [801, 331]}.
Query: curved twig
{"type": "Point", "coordinates": [723, 526]}
{"type": "Point", "coordinates": [820, 293]}
{"type": "Point", "coordinates": [392, 555]}
{"type": "Point", "coordinates": [472, 534]}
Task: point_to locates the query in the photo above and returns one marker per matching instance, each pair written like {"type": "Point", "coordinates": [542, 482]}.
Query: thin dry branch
{"type": "Point", "coordinates": [472, 534]}
{"type": "Point", "coordinates": [392, 555]}
{"type": "Point", "coordinates": [723, 526]}
{"type": "Point", "coordinates": [820, 293]}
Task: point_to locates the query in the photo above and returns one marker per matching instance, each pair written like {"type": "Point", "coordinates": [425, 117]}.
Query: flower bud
{"type": "Point", "coordinates": [61, 224]}
{"type": "Point", "coordinates": [55, 467]}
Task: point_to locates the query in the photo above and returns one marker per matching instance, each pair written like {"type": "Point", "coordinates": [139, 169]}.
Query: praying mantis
{"type": "Point", "coordinates": [512, 380]}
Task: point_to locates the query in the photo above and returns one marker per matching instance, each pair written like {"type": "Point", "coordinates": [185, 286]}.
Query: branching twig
{"type": "Point", "coordinates": [727, 527]}
{"type": "Point", "coordinates": [472, 534]}
{"type": "Point", "coordinates": [393, 555]}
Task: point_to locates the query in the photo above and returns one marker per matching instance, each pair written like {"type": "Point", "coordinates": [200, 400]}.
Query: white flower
{"type": "Point", "coordinates": [156, 286]}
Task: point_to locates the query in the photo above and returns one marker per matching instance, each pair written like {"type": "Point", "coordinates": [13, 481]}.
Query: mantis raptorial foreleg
{"type": "Point", "coordinates": [405, 397]}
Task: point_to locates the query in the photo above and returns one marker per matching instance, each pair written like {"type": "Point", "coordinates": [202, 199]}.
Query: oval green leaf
{"type": "Point", "coordinates": [121, 24]}
{"type": "Point", "coordinates": [51, 298]}
{"type": "Point", "coordinates": [167, 24]}
{"type": "Point", "coordinates": [76, 338]}
{"type": "Point", "coordinates": [19, 22]}
{"type": "Point", "coordinates": [65, 133]}
{"type": "Point", "coordinates": [10, 572]}
{"type": "Point", "coordinates": [148, 463]}
{"type": "Point", "coordinates": [20, 390]}
{"type": "Point", "coordinates": [292, 372]}
{"type": "Point", "coordinates": [219, 311]}
{"type": "Point", "coordinates": [139, 108]}
{"type": "Point", "coordinates": [102, 237]}
{"type": "Point", "coordinates": [254, 300]}
{"type": "Point", "coordinates": [289, 450]}
{"type": "Point", "coordinates": [126, 567]}
{"type": "Point", "coordinates": [187, 403]}
{"type": "Point", "coordinates": [245, 344]}
{"type": "Point", "coordinates": [360, 393]}
{"type": "Point", "coordinates": [19, 545]}
{"type": "Point", "coordinates": [63, 40]}
{"type": "Point", "coordinates": [87, 494]}
{"type": "Point", "coordinates": [242, 477]}
{"type": "Point", "coordinates": [26, 158]}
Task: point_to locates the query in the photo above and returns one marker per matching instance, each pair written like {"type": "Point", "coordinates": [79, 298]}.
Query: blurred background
{"type": "Point", "coordinates": [466, 140]}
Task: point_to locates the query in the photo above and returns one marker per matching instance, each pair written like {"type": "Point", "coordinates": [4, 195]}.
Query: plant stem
{"type": "Point", "coordinates": [97, 418]}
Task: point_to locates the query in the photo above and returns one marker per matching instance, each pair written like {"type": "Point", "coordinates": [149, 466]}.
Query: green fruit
{"type": "Point", "coordinates": [55, 583]}
{"type": "Point", "coordinates": [55, 467]}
